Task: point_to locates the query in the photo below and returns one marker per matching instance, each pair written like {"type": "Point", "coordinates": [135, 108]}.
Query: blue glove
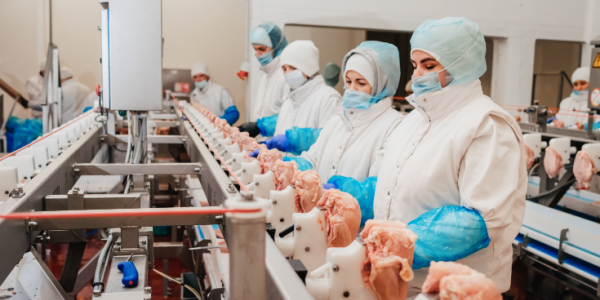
{"type": "Point", "coordinates": [303, 164]}
{"type": "Point", "coordinates": [255, 153]}
{"type": "Point", "coordinates": [300, 139]}
{"type": "Point", "coordinates": [364, 192]}
{"type": "Point", "coordinates": [595, 127]}
{"type": "Point", "coordinates": [551, 120]}
{"type": "Point", "coordinates": [328, 186]}
{"type": "Point", "coordinates": [448, 233]}
{"type": "Point", "coordinates": [231, 115]}
{"type": "Point", "coordinates": [87, 108]}
{"type": "Point", "coordinates": [266, 125]}
{"type": "Point", "coordinates": [279, 142]}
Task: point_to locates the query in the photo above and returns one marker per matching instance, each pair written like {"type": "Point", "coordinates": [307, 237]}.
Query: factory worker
{"type": "Point", "coordinates": [348, 146]}
{"type": "Point", "coordinates": [331, 74]}
{"type": "Point", "coordinates": [35, 85]}
{"type": "Point", "coordinates": [454, 169]}
{"type": "Point", "coordinates": [73, 95]}
{"type": "Point", "coordinates": [212, 96]}
{"type": "Point", "coordinates": [573, 109]}
{"type": "Point", "coordinates": [268, 42]}
{"type": "Point", "coordinates": [310, 104]}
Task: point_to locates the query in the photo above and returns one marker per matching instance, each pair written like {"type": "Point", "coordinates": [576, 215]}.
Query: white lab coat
{"type": "Point", "coordinates": [309, 106]}
{"type": "Point", "coordinates": [349, 144]}
{"type": "Point", "coordinates": [35, 85]}
{"type": "Point", "coordinates": [271, 89]}
{"type": "Point", "coordinates": [213, 97]}
{"type": "Point", "coordinates": [458, 148]}
{"type": "Point", "coordinates": [73, 100]}
{"type": "Point", "coordinates": [570, 108]}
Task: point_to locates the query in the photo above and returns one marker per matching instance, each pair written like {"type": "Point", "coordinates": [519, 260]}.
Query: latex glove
{"type": "Point", "coordinates": [279, 142]}
{"type": "Point", "coordinates": [251, 128]}
{"type": "Point", "coordinates": [328, 186]}
{"type": "Point", "coordinates": [255, 153]}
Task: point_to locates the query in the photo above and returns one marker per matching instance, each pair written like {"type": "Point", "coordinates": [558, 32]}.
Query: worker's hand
{"type": "Point", "coordinates": [251, 128]}
{"type": "Point", "coordinates": [580, 125]}
{"type": "Point", "coordinates": [328, 186]}
{"type": "Point", "coordinates": [279, 142]}
{"type": "Point", "coordinates": [558, 123]}
{"type": "Point", "coordinates": [255, 153]}
{"type": "Point", "coordinates": [517, 118]}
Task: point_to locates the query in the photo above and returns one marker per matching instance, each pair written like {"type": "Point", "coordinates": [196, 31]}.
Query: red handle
{"type": "Point", "coordinates": [98, 90]}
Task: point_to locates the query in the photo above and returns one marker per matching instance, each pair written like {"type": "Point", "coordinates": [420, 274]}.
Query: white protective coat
{"type": "Point", "coordinates": [73, 101]}
{"type": "Point", "coordinates": [35, 85]}
{"type": "Point", "coordinates": [310, 106]}
{"type": "Point", "coordinates": [271, 90]}
{"type": "Point", "coordinates": [570, 108]}
{"type": "Point", "coordinates": [351, 141]}
{"type": "Point", "coordinates": [213, 97]}
{"type": "Point", "coordinates": [458, 148]}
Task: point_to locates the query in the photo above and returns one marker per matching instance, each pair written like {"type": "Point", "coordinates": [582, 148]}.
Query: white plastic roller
{"type": "Point", "coordinates": [40, 156]}
{"type": "Point", "coordinates": [9, 182]}
{"type": "Point", "coordinates": [340, 278]}
{"type": "Point", "coordinates": [563, 147]}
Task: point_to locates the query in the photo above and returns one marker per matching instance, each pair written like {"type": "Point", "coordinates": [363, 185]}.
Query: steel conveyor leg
{"type": "Point", "coordinates": [68, 277]}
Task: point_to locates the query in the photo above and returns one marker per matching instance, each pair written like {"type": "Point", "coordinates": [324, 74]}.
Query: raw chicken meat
{"type": "Point", "coordinates": [552, 162]}
{"type": "Point", "coordinates": [529, 157]}
{"type": "Point", "coordinates": [284, 173]}
{"type": "Point", "coordinates": [342, 217]}
{"type": "Point", "coordinates": [558, 123]}
{"type": "Point", "coordinates": [468, 287]}
{"type": "Point", "coordinates": [584, 170]}
{"type": "Point", "coordinates": [439, 270]}
{"type": "Point", "coordinates": [517, 118]}
{"type": "Point", "coordinates": [390, 250]}
{"type": "Point", "coordinates": [266, 159]}
{"type": "Point", "coordinates": [307, 190]}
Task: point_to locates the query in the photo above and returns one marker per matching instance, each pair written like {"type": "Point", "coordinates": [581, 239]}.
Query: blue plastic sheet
{"type": "Point", "coordinates": [231, 115]}
{"type": "Point", "coordinates": [267, 125]}
{"type": "Point", "coordinates": [364, 192]}
{"type": "Point", "coordinates": [448, 233]}
{"type": "Point", "coordinates": [20, 132]}
{"type": "Point", "coordinates": [303, 164]}
{"type": "Point", "coordinates": [300, 139]}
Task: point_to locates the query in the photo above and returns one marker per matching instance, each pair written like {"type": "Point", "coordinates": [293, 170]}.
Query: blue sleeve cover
{"type": "Point", "coordinates": [231, 115]}
{"type": "Point", "coordinates": [266, 125]}
{"type": "Point", "coordinates": [300, 139]}
{"type": "Point", "coordinates": [303, 164]}
{"type": "Point", "coordinates": [364, 192]}
{"type": "Point", "coordinates": [21, 132]}
{"type": "Point", "coordinates": [448, 233]}
{"type": "Point", "coordinates": [87, 108]}
{"type": "Point", "coordinates": [595, 127]}
{"type": "Point", "coordinates": [551, 120]}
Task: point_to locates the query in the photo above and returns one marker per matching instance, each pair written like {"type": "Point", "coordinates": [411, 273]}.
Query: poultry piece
{"type": "Point", "coordinates": [439, 270]}
{"type": "Point", "coordinates": [552, 162]}
{"type": "Point", "coordinates": [468, 287]}
{"type": "Point", "coordinates": [558, 123]}
{"type": "Point", "coordinates": [342, 217]}
{"type": "Point", "coordinates": [390, 250]}
{"type": "Point", "coordinates": [517, 118]}
{"type": "Point", "coordinates": [529, 157]}
{"type": "Point", "coordinates": [284, 173]}
{"type": "Point", "coordinates": [307, 190]}
{"type": "Point", "coordinates": [584, 170]}
{"type": "Point", "coordinates": [266, 159]}
{"type": "Point", "coordinates": [231, 132]}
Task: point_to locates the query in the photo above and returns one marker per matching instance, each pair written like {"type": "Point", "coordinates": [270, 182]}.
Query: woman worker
{"type": "Point", "coordinates": [454, 169]}
{"type": "Point", "coordinates": [268, 41]}
{"type": "Point", "coordinates": [348, 146]}
{"type": "Point", "coordinates": [573, 109]}
{"type": "Point", "coordinates": [310, 104]}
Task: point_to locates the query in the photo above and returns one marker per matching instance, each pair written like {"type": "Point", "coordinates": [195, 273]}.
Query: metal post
{"type": "Point", "coordinates": [246, 243]}
{"type": "Point", "coordinates": [50, 17]}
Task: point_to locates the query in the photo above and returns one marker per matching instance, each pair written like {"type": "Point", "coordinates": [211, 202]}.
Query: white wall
{"type": "Point", "coordinates": [212, 31]}
{"type": "Point", "coordinates": [515, 25]}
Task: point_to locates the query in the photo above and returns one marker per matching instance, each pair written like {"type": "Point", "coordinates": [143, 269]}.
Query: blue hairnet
{"type": "Point", "coordinates": [385, 59]}
{"type": "Point", "coordinates": [459, 44]}
{"type": "Point", "coordinates": [278, 40]}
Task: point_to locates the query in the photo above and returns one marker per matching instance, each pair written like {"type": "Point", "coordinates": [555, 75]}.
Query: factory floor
{"type": "Point", "coordinates": [56, 253]}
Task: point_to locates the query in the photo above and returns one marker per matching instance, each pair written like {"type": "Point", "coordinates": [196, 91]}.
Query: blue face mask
{"type": "Point", "coordinates": [576, 93]}
{"type": "Point", "coordinates": [201, 84]}
{"type": "Point", "coordinates": [295, 79]}
{"type": "Point", "coordinates": [266, 58]}
{"type": "Point", "coordinates": [356, 99]}
{"type": "Point", "coordinates": [426, 83]}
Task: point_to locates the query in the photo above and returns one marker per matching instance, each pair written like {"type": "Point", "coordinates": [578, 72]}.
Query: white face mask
{"type": "Point", "coordinates": [295, 79]}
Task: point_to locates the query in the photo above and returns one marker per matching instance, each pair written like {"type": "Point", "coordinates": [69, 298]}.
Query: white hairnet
{"type": "Point", "coordinates": [582, 73]}
{"type": "Point", "coordinates": [302, 55]}
{"type": "Point", "coordinates": [457, 43]}
{"type": "Point", "coordinates": [360, 64]}
{"type": "Point", "coordinates": [200, 68]}
{"type": "Point", "coordinates": [270, 35]}
{"type": "Point", "coordinates": [260, 36]}
{"type": "Point", "coordinates": [65, 72]}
